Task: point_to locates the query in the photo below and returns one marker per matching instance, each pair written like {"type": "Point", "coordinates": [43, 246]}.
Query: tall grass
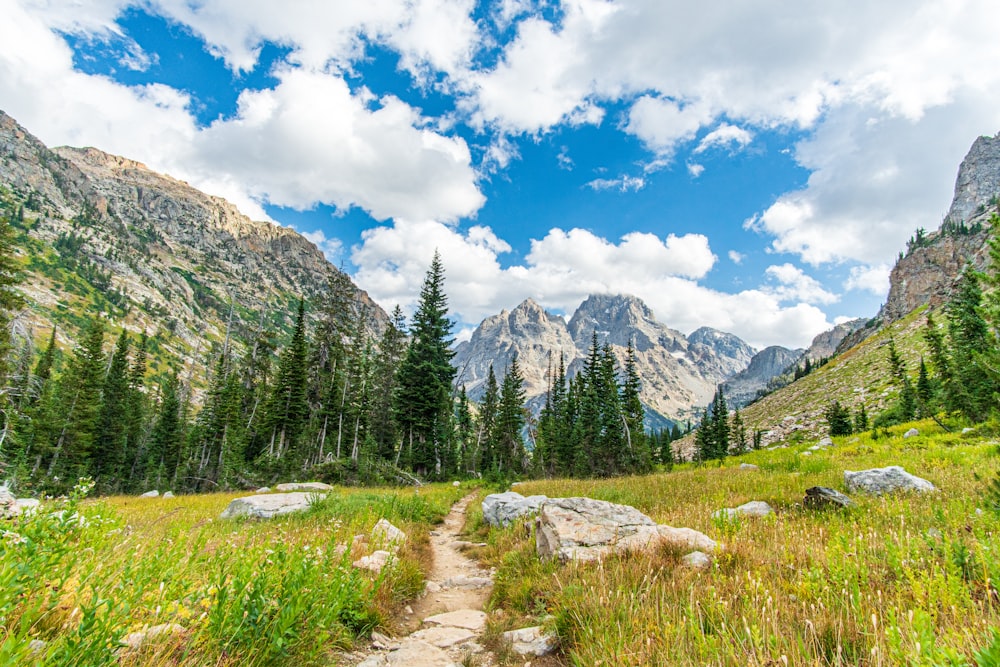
{"type": "Point", "coordinates": [245, 592]}
{"type": "Point", "coordinates": [900, 580]}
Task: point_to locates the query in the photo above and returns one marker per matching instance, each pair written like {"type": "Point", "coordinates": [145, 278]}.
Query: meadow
{"type": "Point", "coordinates": [81, 575]}
{"type": "Point", "coordinates": [898, 580]}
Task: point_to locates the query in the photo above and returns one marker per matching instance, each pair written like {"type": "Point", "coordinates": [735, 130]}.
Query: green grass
{"type": "Point", "coordinates": [247, 592]}
{"type": "Point", "coordinates": [900, 580]}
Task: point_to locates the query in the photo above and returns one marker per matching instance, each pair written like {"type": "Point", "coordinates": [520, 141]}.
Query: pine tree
{"type": "Point", "coordinates": [738, 434]}
{"type": "Point", "coordinates": [510, 422]}
{"type": "Point", "coordinates": [465, 434]}
{"type": "Point", "coordinates": [109, 440]}
{"type": "Point", "coordinates": [10, 298]}
{"type": "Point", "coordinates": [969, 389]}
{"type": "Point", "coordinates": [165, 456]}
{"type": "Point", "coordinates": [906, 408]}
{"type": "Point", "coordinates": [80, 395]}
{"type": "Point", "coordinates": [424, 403]}
{"type": "Point", "coordinates": [633, 414]}
{"type": "Point", "coordinates": [136, 413]}
{"type": "Point", "coordinates": [704, 438]}
{"type": "Point", "coordinates": [489, 409]}
{"type": "Point", "coordinates": [838, 418]}
{"type": "Point", "coordinates": [287, 409]}
{"type": "Point", "coordinates": [389, 355]}
{"type": "Point", "coordinates": [720, 426]}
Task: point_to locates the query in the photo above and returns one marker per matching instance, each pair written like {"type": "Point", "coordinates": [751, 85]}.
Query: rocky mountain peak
{"type": "Point", "coordinates": [978, 182]}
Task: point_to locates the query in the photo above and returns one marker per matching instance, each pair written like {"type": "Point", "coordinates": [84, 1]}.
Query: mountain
{"type": "Point", "coordinates": [678, 373]}
{"type": "Point", "coordinates": [105, 234]}
{"type": "Point", "coordinates": [769, 363]}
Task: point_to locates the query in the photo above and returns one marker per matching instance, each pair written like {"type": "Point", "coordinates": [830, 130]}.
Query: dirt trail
{"type": "Point", "coordinates": [450, 612]}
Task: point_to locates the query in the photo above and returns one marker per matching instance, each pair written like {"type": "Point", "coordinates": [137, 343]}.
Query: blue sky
{"type": "Point", "coordinates": [755, 168]}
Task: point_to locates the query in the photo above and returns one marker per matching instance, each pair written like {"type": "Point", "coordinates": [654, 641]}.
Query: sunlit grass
{"type": "Point", "coordinates": [905, 579]}
{"type": "Point", "coordinates": [246, 592]}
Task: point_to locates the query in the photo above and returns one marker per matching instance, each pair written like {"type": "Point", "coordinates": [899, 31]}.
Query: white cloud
{"type": "Point", "coordinates": [331, 248]}
{"type": "Point", "coordinates": [736, 257]}
{"type": "Point", "coordinates": [623, 184]}
{"type": "Point", "coordinates": [874, 279]}
{"type": "Point", "coordinates": [794, 285]}
{"type": "Point", "coordinates": [663, 123]}
{"type": "Point", "coordinates": [564, 267]}
{"type": "Point", "coordinates": [723, 136]}
{"type": "Point", "coordinates": [695, 169]}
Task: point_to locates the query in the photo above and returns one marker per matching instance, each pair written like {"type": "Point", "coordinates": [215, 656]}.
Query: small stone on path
{"type": "Point", "coordinates": [531, 641]}
{"type": "Point", "coordinates": [444, 636]}
{"type": "Point", "coordinates": [470, 619]}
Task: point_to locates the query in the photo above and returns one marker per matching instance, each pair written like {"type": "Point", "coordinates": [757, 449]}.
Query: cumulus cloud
{"type": "Point", "coordinates": [736, 257]}
{"type": "Point", "coordinates": [723, 136]}
{"type": "Point", "coordinates": [874, 279]}
{"type": "Point", "coordinates": [790, 283]}
{"type": "Point", "coordinates": [695, 169]}
{"type": "Point", "coordinates": [564, 267]}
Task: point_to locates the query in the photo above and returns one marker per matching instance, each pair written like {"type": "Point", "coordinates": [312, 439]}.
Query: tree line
{"type": "Point", "coordinates": [333, 403]}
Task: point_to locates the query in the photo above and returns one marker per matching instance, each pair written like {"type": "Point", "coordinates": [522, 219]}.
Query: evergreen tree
{"type": "Point", "coordinates": [861, 419]}
{"type": "Point", "coordinates": [80, 395]}
{"type": "Point", "coordinates": [465, 434]}
{"type": "Point", "coordinates": [838, 418]}
{"type": "Point", "coordinates": [287, 409]}
{"type": "Point", "coordinates": [720, 425]}
{"type": "Point", "coordinates": [925, 391]}
{"type": "Point", "coordinates": [164, 456]}
{"type": "Point", "coordinates": [969, 389]}
{"type": "Point", "coordinates": [509, 445]}
{"type": "Point", "coordinates": [639, 454]}
{"type": "Point", "coordinates": [704, 438]}
{"type": "Point", "coordinates": [906, 407]}
{"type": "Point", "coordinates": [424, 404]}
{"type": "Point", "coordinates": [109, 441]}
{"type": "Point", "coordinates": [489, 409]}
{"type": "Point", "coordinates": [136, 413]}
{"type": "Point", "coordinates": [738, 434]}
{"type": "Point", "coordinates": [10, 298]}
{"type": "Point", "coordinates": [389, 355]}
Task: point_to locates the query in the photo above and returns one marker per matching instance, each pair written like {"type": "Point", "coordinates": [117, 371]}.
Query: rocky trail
{"type": "Point", "coordinates": [446, 624]}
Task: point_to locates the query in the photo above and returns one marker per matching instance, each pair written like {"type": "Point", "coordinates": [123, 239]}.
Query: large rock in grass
{"type": "Point", "coordinates": [754, 508]}
{"type": "Point", "coordinates": [268, 506]}
{"type": "Point", "coordinates": [586, 529]}
{"type": "Point", "coordinates": [318, 487]}
{"type": "Point", "coordinates": [820, 497]}
{"type": "Point", "coordinates": [501, 509]}
{"type": "Point", "coordinates": [8, 503]}
{"type": "Point", "coordinates": [878, 481]}
{"type": "Point", "coordinates": [385, 533]}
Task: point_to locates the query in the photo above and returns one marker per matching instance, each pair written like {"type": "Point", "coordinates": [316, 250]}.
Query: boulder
{"type": "Point", "coordinates": [819, 497]}
{"type": "Point", "coordinates": [697, 560]}
{"type": "Point", "coordinates": [501, 509]}
{"type": "Point", "coordinates": [877, 481]}
{"type": "Point", "coordinates": [531, 641]}
{"type": "Point", "coordinates": [587, 529]}
{"type": "Point", "coordinates": [755, 508]}
{"type": "Point", "coordinates": [137, 640]}
{"type": "Point", "coordinates": [26, 506]}
{"type": "Point", "coordinates": [911, 433]}
{"type": "Point", "coordinates": [168, 494]}
{"type": "Point", "coordinates": [375, 562]}
{"type": "Point", "coordinates": [268, 506]}
{"type": "Point", "coordinates": [825, 442]}
{"type": "Point", "coordinates": [386, 534]}
{"type": "Point", "coordinates": [319, 487]}
{"type": "Point", "coordinates": [456, 484]}
{"type": "Point", "coordinates": [263, 489]}
{"type": "Point", "coordinates": [748, 466]}
{"type": "Point", "coordinates": [8, 503]}
{"type": "Point", "coordinates": [151, 494]}
{"type": "Point", "coordinates": [470, 619]}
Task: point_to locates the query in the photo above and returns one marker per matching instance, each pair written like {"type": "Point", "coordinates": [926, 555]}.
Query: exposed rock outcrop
{"type": "Point", "coordinates": [501, 509]}
{"type": "Point", "coordinates": [585, 529]}
{"type": "Point", "coordinates": [268, 506]}
{"type": "Point", "coordinates": [878, 481]}
{"type": "Point", "coordinates": [819, 497]}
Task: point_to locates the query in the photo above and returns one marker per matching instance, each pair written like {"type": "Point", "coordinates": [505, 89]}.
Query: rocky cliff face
{"type": "Point", "coordinates": [677, 373]}
{"type": "Point", "coordinates": [927, 273]}
{"type": "Point", "coordinates": [105, 234]}
{"type": "Point", "coordinates": [769, 363]}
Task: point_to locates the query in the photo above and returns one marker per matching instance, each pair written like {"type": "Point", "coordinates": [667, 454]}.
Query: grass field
{"type": "Point", "coordinates": [246, 592]}
{"type": "Point", "coordinates": [900, 580]}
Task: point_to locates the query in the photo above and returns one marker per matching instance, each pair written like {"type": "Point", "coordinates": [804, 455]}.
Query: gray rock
{"type": "Point", "coordinates": [825, 442]}
{"type": "Point", "coordinates": [911, 433]}
{"type": "Point", "coordinates": [755, 508]}
{"type": "Point", "coordinates": [587, 529]}
{"type": "Point", "coordinates": [417, 653]}
{"type": "Point", "coordinates": [967, 430]}
{"type": "Point", "coordinates": [137, 640]}
{"type": "Point", "coordinates": [386, 534]}
{"type": "Point", "coordinates": [531, 641]}
{"type": "Point", "coordinates": [697, 560]}
{"type": "Point", "coordinates": [501, 509]}
{"type": "Point", "coordinates": [263, 489]}
{"type": "Point", "coordinates": [8, 503]}
{"type": "Point", "coordinates": [934, 534]}
{"type": "Point", "coordinates": [468, 583]}
{"type": "Point", "coordinates": [456, 484]}
{"type": "Point", "coordinates": [748, 466]}
{"type": "Point", "coordinates": [878, 481]}
{"type": "Point", "coordinates": [444, 636]}
{"type": "Point", "coordinates": [151, 494]}
{"type": "Point", "coordinates": [470, 619]}
{"type": "Point", "coordinates": [36, 646]}
{"type": "Point", "coordinates": [304, 486]}
{"type": "Point", "coordinates": [27, 506]}
{"type": "Point", "coordinates": [820, 496]}
{"type": "Point", "coordinates": [168, 494]}
{"type": "Point", "coordinates": [268, 506]}
{"type": "Point", "coordinates": [374, 562]}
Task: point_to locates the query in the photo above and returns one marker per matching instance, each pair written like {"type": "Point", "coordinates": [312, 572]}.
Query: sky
{"type": "Point", "coordinates": [755, 167]}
